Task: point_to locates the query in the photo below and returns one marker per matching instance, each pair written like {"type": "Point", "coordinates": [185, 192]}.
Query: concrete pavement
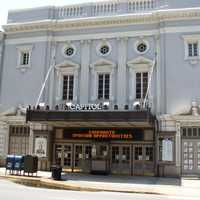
{"type": "Point", "coordinates": [86, 182]}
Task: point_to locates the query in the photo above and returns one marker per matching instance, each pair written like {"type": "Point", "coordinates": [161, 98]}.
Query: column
{"type": "Point", "coordinates": [75, 84]}
{"type": "Point", "coordinates": [4, 140]}
{"type": "Point", "coordinates": [59, 86]}
{"type": "Point", "coordinates": [121, 73]}
{"type": "Point", "coordinates": [131, 91]}
{"type": "Point", "coordinates": [178, 144]}
{"type": "Point", "coordinates": [94, 83]}
{"type": "Point", "coordinates": [31, 139]}
{"type": "Point", "coordinates": [84, 76]}
{"type": "Point", "coordinates": [158, 78]}
{"type": "Point", "coordinates": [112, 86]}
{"type": "Point", "coordinates": [51, 77]}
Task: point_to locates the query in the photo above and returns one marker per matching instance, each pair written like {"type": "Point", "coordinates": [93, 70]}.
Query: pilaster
{"type": "Point", "coordinates": [158, 75]}
{"type": "Point", "coordinates": [121, 74]}
{"type": "Point", "coordinates": [178, 144]}
{"type": "Point", "coordinates": [84, 76]}
{"type": "Point", "coordinates": [52, 74]}
{"type": "Point", "coordinates": [132, 84]}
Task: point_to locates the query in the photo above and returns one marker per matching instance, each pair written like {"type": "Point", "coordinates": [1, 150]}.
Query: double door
{"type": "Point", "coordinates": [143, 160]}
{"type": "Point", "coordinates": [132, 159]}
{"type": "Point", "coordinates": [121, 159]}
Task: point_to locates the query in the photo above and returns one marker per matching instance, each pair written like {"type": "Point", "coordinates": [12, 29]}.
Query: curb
{"type": "Point", "coordinates": [53, 184]}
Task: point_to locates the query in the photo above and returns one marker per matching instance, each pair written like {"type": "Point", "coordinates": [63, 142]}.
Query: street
{"type": "Point", "coordinates": [12, 191]}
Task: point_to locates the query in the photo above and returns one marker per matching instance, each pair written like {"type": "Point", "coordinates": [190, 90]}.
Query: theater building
{"type": "Point", "coordinates": [113, 87]}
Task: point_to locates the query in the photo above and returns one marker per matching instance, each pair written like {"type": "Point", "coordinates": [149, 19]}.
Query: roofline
{"type": "Point", "coordinates": [67, 5]}
{"type": "Point", "coordinates": [156, 16]}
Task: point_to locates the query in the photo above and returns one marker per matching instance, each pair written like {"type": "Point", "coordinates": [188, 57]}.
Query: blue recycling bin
{"type": "Point", "coordinates": [10, 162]}
{"type": "Point", "coordinates": [19, 163]}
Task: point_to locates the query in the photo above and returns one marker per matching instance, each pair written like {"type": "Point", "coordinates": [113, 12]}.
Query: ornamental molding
{"type": "Point", "coordinates": [102, 62]}
{"type": "Point", "coordinates": [140, 61]}
{"type": "Point", "coordinates": [67, 64]}
{"type": "Point", "coordinates": [138, 18]}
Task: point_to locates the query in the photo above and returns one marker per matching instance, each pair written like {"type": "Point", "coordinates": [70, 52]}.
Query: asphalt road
{"type": "Point", "coordinates": [12, 191]}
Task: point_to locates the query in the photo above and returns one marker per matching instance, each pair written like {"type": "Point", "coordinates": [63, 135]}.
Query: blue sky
{"type": "Point", "coordinates": [6, 5]}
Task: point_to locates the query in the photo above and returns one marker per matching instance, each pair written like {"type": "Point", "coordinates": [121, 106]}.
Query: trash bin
{"type": "Point", "coordinates": [56, 172]}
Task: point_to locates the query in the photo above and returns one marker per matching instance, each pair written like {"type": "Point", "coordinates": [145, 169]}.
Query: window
{"type": "Point", "coordinates": [193, 49]}
{"type": "Point", "coordinates": [138, 153]}
{"type": "Point", "coordinates": [68, 86]}
{"type": "Point", "coordinates": [142, 47]}
{"type": "Point", "coordinates": [68, 50]}
{"type": "Point", "coordinates": [141, 84]}
{"type": "Point", "coordinates": [104, 49]}
{"type": "Point", "coordinates": [149, 153]}
{"type": "Point", "coordinates": [19, 140]}
{"type": "Point", "coordinates": [190, 132]}
{"type": "Point", "coordinates": [24, 58]}
{"type": "Point", "coordinates": [191, 44]}
{"type": "Point", "coordinates": [103, 86]}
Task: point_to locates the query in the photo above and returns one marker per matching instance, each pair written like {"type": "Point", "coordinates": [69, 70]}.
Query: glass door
{"type": "Point", "coordinates": [78, 157]}
{"type": "Point", "coordinates": [100, 158]}
{"type": "Point", "coordinates": [138, 160]}
{"type": "Point", "coordinates": [67, 156]}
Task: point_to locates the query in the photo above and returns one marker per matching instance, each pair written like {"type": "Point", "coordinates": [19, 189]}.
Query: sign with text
{"type": "Point", "coordinates": [104, 134]}
{"type": "Point", "coordinates": [77, 107]}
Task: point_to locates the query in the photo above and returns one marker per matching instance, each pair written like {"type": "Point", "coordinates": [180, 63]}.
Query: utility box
{"type": "Point", "coordinates": [19, 163]}
{"type": "Point", "coordinates": [30, 164]}
{"type": "Point", "coordinates": [10, 162]}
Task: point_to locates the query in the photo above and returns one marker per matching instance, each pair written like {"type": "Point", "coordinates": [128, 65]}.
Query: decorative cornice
{"type": "Point", "coordinates": [91, 22]}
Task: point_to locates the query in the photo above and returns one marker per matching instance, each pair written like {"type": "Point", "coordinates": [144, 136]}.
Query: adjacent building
{"type": "Point", "coordinates": [109, 87]}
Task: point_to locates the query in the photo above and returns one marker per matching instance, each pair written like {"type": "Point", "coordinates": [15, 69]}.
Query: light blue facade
{"type": "Point", "coordinates": [166, 26]}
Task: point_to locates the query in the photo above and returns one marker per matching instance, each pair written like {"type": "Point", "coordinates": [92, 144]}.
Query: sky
{"type": "Point", "coordinates": [6, 5]}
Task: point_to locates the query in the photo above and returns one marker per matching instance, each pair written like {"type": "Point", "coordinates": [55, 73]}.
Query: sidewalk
{"type": "Point", "coordinates": [86, 182]}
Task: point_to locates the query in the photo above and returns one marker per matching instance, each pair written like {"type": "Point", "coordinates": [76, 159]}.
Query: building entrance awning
{"type": "Point", "coordinates": [124, 118]}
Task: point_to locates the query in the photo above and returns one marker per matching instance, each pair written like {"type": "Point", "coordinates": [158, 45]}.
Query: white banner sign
{"type": "Point", "coordinates": [41, 147]}
{"type": "Point", "coordinates": [167, 151]}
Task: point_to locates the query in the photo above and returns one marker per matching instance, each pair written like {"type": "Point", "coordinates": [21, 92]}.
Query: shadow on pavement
{"type": "Point", "coordinates": [121, 179]}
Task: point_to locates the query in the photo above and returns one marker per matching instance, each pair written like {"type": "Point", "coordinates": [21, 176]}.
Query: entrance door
{"type": "Point", "coordinates": [67, 156]}
{"type": "Point", "coordinates": [120, 159]}
{"type": "Point", "coordinates": [191, 156]}
{"type": "Point", "coordinates": [78, 157]}
{"type": "Point", "coordinates": [143, 160]}
{"type": "Point", "coordinates": [63, 155]}
{"type": "Point", "coordinates": [100, 158]}
{"type": "Point", "coordinates": [87, 158]}
{"type": "Point", "coordinates": [138, 160]}
{"type": "Point", "coordinates": [58, 154]}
